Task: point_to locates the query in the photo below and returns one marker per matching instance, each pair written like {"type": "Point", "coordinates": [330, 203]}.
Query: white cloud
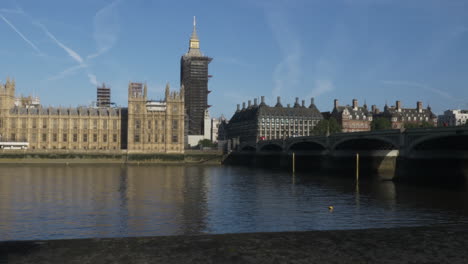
{"type": "Point", "coordinates": [321, 87]}
{"type": "Point", "coordinates": [92, 79]}
{"type": "Point", "coordinates": [406, 84]}
{"type": "Point", "coordinates": [66, 72]}
{"type": "Point", "coordinates": [287, 72]}
{"type": "Point", "coordinates": [11, 11]}
{"type": "Point", "coordinates": [106, 28]}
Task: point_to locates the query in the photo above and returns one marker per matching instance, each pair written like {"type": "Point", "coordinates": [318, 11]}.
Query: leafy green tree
{"type": "Point", "coordinates": [335, 127]}
{"type": "Point", "coordinates": [381, 123]}
{"type": "Point", "coordinates": [324, 126]}
{"type": "Point", "coordinates": [206, 143]}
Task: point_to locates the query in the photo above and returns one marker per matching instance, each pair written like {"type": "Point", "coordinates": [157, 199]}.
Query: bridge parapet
{"type": "Point", "coordinates": [403, 140]}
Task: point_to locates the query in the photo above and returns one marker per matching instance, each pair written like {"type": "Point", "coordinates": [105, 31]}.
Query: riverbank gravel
{"type": "Point", "coordinates": [430, 244]}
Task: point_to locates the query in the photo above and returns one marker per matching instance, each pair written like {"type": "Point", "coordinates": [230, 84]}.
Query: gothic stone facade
{"type": "Point", "coordinates": [155, 126]}
{"type": "Point", "coordinates": [262, 122]}
{"type": "Point", "coordinates": [100, 129]}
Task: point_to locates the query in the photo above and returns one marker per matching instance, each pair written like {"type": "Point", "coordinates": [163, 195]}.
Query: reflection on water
{"type": "Point", "coordinates": [51, 202]}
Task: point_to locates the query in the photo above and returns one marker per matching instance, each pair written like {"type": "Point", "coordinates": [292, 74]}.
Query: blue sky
{"type": "Point", "coordinates": [374, 50]}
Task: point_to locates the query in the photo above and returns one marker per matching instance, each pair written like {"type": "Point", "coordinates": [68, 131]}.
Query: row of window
{"type": "Point", "coordinates": [64, 123]}
{"type": "Point", "coordinates": [394, 119]}
{"type": "Point", "coordinates": [292, 127]}
{"type": "Point", "coordinates": [175, 124]}
{"type": "Point", "coordinates": [65, 137]}
{"type": "Point", "coordinates": [287, 121]}
{"type": "Point", "coordinates": [137, 138]}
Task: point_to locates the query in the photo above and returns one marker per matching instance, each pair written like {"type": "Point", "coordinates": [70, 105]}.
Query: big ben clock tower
{"type": "Point", "coordinates": [194, 78]}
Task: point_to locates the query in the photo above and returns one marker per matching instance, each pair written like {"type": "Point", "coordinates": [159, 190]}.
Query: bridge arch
{"type": "Point", "coordinates": [440, 142]}
{"type": "Point", "coordinates": [306, 145]}
{"type": "Point", "coordinates": [365, 143]}
{"type": "Point", "coordinates": [248, 148]}
{"type": "Point", "coordinates": [271, 147]}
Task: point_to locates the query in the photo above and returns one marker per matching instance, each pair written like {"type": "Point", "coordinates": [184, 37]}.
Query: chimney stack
{"type": "Point", "coordinates": [398, 105]}
{"type": "Point", "coordinates": [355, 104]}
{"type": "Point", "coordinates": [255, 101]}
{"type": "Point", "coordinates": [419, 106]}
{"type": "Point", "coordinates": [243, 105]}
{"type": "Point", "coordinates": [248, 103]}
{"type": "Point", "coordinates": [312, 101]}
{"type": "Point", "coordinates": [278, 102]}
{"type": "Point", "coordinates": [303, 103]}
{"type": "Point", "coordinates": [238, 107]}
{"type": "Point", "coordinates": [262, 99]}
{"type": "Point", "coordinates": [336, 103]}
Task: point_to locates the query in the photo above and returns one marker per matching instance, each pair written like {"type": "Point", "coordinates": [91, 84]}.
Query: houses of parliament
{"type": "Point", "coordinates": [145, 126]}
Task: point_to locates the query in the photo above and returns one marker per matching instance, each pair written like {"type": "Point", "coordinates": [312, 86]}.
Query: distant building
{"type": "Point", "coordinates": [194, 78]}
{"type": "Point", "coordinates": [209, 128]}
{"type": "Point", "coordinates": [262, 122]}
{"type": "Point", "coordinates": [352, 118]}
{"type": "Point", "coordinates": [453, 118]}
{"type": "Point", "coordinates": [27, 102]}
{"type": "Point", "coordinates": [400, 116]}
{"type": "Point", "coordinates": [103, 96]}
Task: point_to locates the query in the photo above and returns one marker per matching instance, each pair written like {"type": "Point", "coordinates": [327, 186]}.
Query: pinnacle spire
{"type": "Point", "coordinates": [194, 44]}
{"type": "Point", "coordinates": [194, 32]}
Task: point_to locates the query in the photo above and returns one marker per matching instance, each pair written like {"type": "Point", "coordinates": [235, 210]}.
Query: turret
{"type": "Point", "coordinates": [167, 93]}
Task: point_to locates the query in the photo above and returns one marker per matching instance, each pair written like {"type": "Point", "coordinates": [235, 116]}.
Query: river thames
{"type": "Point", "coordinates": [85, 201]}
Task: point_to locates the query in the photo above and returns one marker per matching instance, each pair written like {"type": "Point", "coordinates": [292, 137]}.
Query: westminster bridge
{"type": "Point", "coordinates": [405, 153]}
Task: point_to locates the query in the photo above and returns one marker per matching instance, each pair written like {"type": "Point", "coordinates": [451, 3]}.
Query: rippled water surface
{"type": "Point", "coordinates": [78, 201]}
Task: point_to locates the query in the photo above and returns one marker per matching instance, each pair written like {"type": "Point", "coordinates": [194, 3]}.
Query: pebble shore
{"type": "Point", "coordinates": [430, 244]}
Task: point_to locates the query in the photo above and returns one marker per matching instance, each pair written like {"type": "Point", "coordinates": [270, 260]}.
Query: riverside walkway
{"type": "Point", "coordinates": [433, 244]}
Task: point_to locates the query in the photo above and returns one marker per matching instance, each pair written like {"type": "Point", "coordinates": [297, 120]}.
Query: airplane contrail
{"type": "Point", "coordinates": [21, 35]}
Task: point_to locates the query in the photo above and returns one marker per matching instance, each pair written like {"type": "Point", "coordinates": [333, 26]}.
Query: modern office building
{"type": "Point", "coordinates": [453, 118]}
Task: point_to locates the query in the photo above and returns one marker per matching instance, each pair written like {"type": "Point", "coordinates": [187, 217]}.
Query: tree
{"type": "Point", "coordinates": [335, 127]}
{"type": "Point", "coordinates": [381, 123]}
{"type": "Point", "coordinates": [423, 124]}
{"type": "Point", "coordinates": [206, 143]}
{"type": "Point", "coordinates": [324, 126]}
